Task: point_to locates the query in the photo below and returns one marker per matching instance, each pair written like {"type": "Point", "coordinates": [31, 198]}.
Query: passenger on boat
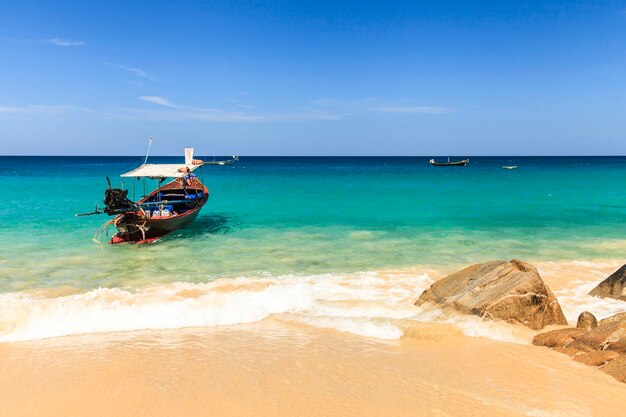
{"type": "Point", "coordinates": [188, 179]}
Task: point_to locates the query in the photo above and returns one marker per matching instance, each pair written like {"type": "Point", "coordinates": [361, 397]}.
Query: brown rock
{"type": "Point", "coordinates": [578, 347]}
{"type": "Point", "coordinates": [617, 346]}
{"type": "Point", "coordinates": [572, 352]}
{"type": "Point", "coordinates": [613, 286]}
{"type": "Point", "coordinates": [511, 291]}
{"type": "Point", "coordinates": [603, 337]}
{"type": "Point", "coordinates": [557, 338]}
{"type": "Point", "coordinates": [616, 368]}
{"type": "Point", "coordinates": [586, 321]}
{"type": "Point", "coordinates": [596, 358]}
{"type": "Point", "coordinates": [618, 318]}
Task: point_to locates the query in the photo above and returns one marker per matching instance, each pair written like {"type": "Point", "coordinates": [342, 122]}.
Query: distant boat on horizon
{"type": "Point", "coordinates": [461, 163]}
{"type": "Point", "coordinates": [222, 162]}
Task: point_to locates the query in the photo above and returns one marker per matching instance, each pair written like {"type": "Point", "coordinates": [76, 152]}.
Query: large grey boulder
{"type": "Point", "coordinates": [511, 291]}
{"type": "Point", "coordinates": [613, 286]}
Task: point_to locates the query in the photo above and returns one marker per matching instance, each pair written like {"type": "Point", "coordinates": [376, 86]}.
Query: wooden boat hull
{"type": "Point", "coordinates": [134, 227]}
{"type": "Point", "coordinates": [130, 227]}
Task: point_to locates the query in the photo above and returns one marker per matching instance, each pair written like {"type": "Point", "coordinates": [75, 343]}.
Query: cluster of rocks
{"type": "Point", "coordinates": [593, 343]}
{"type": "Point", "coordinates": [514, 292]}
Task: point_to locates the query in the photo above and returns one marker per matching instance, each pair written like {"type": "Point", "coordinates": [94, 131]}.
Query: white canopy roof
{"type": "Point", "coordinates": [160, 170]}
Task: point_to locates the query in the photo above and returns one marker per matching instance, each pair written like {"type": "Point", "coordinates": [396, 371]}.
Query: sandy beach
{"type": "Point", "coordinates": [273, 369]}
{"type": "Point", "coordinates": [312, 209]}
{"type": "Point", "coordinates": [280, 366]}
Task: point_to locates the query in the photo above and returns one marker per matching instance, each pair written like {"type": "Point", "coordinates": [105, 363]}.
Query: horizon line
{"type": "Point", "coordinates": [322, 156]}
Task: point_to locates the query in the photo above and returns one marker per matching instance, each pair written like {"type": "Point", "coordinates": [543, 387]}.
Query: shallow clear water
{"type": "Point", "coordinates": [344, 243]}
{"type": "Point", "coordinates": [285, 216]}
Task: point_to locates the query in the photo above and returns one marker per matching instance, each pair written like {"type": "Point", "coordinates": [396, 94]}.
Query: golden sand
{"type": "Point", "coordinates": [282, 367]}
{"type": "Point", "coordinates": [278, 369]}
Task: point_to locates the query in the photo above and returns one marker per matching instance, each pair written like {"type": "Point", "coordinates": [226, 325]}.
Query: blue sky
{"type": "Point", "coordinates": [313, 78]}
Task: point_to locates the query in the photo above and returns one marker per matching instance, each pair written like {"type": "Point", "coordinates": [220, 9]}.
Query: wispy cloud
{"type": "Point", "coordinates": [137, 71]}
{"type": "Point", "coordinates": [34, 108]}
{"type": "Point", "coordinates": [319, 109]}
{"type": "Point", "coordinates": [157, 100]}
{"type": "Point", "coordinates": [240, 104]}
{"type": "Point", "coordinates": [175, 112]}
{"type": "Point", "coordinates": [164, 109]}
{"type": "Point", "coordinates": [219, 115]}
{"type": "Point", "coordinates": [413, 109]}
{"type": "Point", "coordinates": [358, 103]}
{"type": "Point", "coordinates": [375, 104]}
{"type": "Point", "coordinates": [64, 42]}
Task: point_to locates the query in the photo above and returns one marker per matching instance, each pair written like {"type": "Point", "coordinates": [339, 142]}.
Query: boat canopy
{"type": "Point", "coordinates": [160, 171]}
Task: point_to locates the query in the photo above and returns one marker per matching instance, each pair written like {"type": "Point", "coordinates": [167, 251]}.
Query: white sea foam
{"type": "Point", "coordinates": [576, 300]}
{"type": "Point", "coordinates": [363, 304]}
{"type": "Point", "coordinates": [372, 304]}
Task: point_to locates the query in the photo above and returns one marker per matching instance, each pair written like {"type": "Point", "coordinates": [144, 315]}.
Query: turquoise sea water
{"type": "Point", "coordinates": [285, 216]}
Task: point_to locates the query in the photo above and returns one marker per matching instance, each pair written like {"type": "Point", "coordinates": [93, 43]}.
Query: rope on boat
{"type": "Point", "coordinates": [142, 228]}
{"type": "Point", "coordinates": [102, 229]}
{"type": "Point", "coordinates": [98, 235]}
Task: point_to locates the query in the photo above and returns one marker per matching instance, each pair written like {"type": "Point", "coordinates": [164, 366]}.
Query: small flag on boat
{"type": "Point", "coordinates": [188, 156]}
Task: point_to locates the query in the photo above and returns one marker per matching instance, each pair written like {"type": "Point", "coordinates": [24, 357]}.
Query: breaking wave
{"type": "Point", "coordinates": [372, 304]}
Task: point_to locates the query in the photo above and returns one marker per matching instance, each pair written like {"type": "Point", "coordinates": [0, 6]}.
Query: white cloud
{"type": "Point", "coordinates": [413, 109]}
{"type": "Point", "coordinates": [375, 104]}
{"type": "Point", "coordinates": [218, 115]}
{"type": "Point", "coordinates": [157, 100]}
{"type": "Point", "coordinates": [34, 108]}
{"type": "Point", "coordinates": [239, 104]}
{"type": "Point", "coordinates": [64, 42]}
{"type": "Point", "coordinates": [137, 71]}
{"type": "Point", "coordinates": [176, 112]}
{"type": "Point", "coordinates": [358, 103]}
{"type": "Point", "coordinates": [320, 109]}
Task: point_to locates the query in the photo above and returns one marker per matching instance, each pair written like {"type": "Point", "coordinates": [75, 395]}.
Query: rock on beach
{"type": "Point", "coordinates": [603, 346]}
{"type": "Point", "coordinates": [613, 286]}
{"type": "Point", "coordinates": [511, 291]}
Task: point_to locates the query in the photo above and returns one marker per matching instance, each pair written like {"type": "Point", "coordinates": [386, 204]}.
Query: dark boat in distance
{"type": "Point", "coordinates": [169, 207]}
{"type": "Point", "coordinates": [461, 163]}
{"type": "Point", "coordinates": [222, 162]}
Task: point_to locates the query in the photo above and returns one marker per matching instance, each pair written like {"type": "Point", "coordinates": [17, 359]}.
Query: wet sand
{"type": "Point", "coordinates": [277, 369]}
{"type": "Point", "coordinates": [296, 362]}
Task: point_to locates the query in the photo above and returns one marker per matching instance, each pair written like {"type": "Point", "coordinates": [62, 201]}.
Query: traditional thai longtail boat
{"type": "Point", "coordinates": [169, 207]}
{"type": "Point", "coordinates": [461, 163]}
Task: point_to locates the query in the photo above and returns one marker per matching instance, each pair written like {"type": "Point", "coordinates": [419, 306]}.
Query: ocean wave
{"type": "Point", "coordinates": [373, 304]}
{"type": "Point", "coordinates": [344, 302]}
